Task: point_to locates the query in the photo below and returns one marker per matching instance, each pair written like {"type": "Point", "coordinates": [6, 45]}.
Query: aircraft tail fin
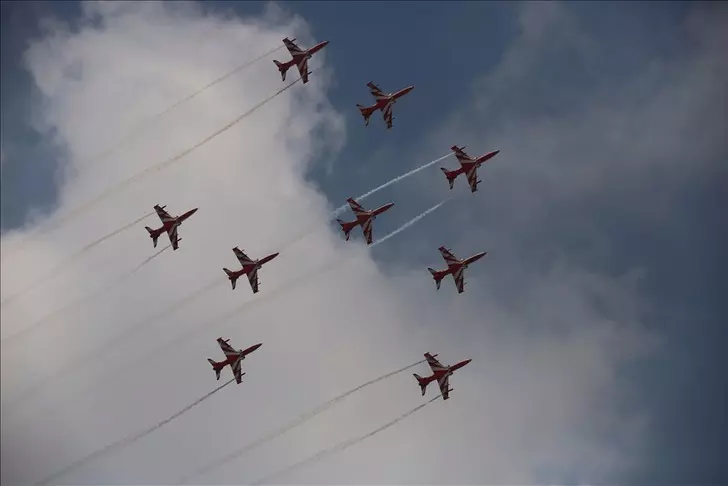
{"type": "Point", "coordinates": [346, 228]}
{"type": "Point", "coordinates": [450, 176]}
{"type": "Point", "coordinates": [215, 366]}
{"type": "Point", "coordinates": [437, 276]}
{"type": "Point", "coordinates": [282, 68]}
{"type": "Point", "coordinates": [422, 382]}
{"type": "Point", "coordinates": [233, 278]}
{"type": "Point", "coordinates": [153, 235]}
{"type": "Point", "coordinates": [366, 112]}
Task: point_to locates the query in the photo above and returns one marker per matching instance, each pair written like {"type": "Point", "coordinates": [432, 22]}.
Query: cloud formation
{"type": "Point", "coordinates": [539, 401]}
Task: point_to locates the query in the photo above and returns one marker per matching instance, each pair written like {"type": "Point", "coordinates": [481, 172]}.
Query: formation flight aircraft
{"type": "Point", "coordinates": [364, 219]}
{"type": "Point", "coordinates": [468, 166]}
{"type": "Point", "coordinates": [250, 268]}
{"type": "Point", "coordinates": [233, 358]}
{"type": "Point", "coordinates": [169, 224]}
{"type": "Point", "coordinates": [384, 102]}
{"type": "Point", "coordinates": [455, 268]}
{"type": "Point", "coordinates": [300, 58]}
{"type": "Point", "coordinates": [440, 373]}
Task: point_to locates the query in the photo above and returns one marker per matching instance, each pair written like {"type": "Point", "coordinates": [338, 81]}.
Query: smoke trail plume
{"type": "Point", "coordinates": [412, 221]}
{"type": "Point", "coordinates": [341, 446]}
{"type": "Point", "coordinates": [129, 440]}
{"type": "Point", "coordinates": [73, 257]}
{"type": "Point", "coordinates": [80, 361]}
{"type": "Point", "coordinates": [75, 304]}
{"type": "Point", "coordinates": [299, 421]}
{"type": "Point", "coordinates": [156, 167]}
{"type": "Point", "coordinates": [143, 127]}
{"type": "Point", "coordinates": [343, 207]}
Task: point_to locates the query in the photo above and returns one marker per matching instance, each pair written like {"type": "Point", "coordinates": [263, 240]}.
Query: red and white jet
{"type": "Point", "coordinates": [441, 374]}
{"type": "Point", "coordinates": [300, 58]}
{"type": "Point", "coordinates": [455, 268]}
{"type": "Point", "coordinates": [169, 224]}
{"type": "Point", "coordinates": [250, 268]}
{"type": "Point", "coordinates": [233, 357]}
{"type": "Point", "coordinates": [364, 219]}
{"type": "Point", "coordinates": [468, 166]}
{"type": "Point", "coordinates": [384, 102]}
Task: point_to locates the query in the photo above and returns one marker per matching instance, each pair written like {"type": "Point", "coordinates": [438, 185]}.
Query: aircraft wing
{"type": "Point", "coordinates": [472, 176]}
{"type": "Point", "coordinates": [293, 49]}
{"type": "Point", "coordinates": [367, 229]}
{"type": "Point", "coordinates": [387, 115]}
{"type": "Point", "coordinates": [460, 154]}
{"type": "Point", "coordinates": [302, 66]}
{"type": "Point", "coordinates": [444, 384]}
{"type": "Point", "coordinates": [163, 215]}
{"type": "Point", "coordinates": [253, 279]}
{"type": "Point", "coordinates": [242, 257]}
{"type": "Point", "coordinates": [356, 207]}
{"type": "Point", "coordinates": [237, 370]}
{"type": "Point", "coordinates": [447, 255]}
{"type": "Point", "coordinates": [173, 237]}
{"type": "Point", "coordinates": [376, 92]}
{"type": "Point", "coordinates": [435, 365]}
{"type": "Point", "coordinates": [459, 278]}
{"type": "Point", "coordinates": [226, 348]}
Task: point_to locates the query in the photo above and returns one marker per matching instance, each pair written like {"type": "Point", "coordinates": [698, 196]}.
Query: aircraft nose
{"type": "Point", "coordinates": [193, 211]}
{"type": "Point", "coordinates": [257, 346]}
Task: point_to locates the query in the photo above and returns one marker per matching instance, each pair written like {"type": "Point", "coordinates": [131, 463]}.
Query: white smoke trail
{"type": "Point", "coordinates": [343, 207]}
{"type": "Point", "coordinates": [73, 257]}
{"type": "Point", "coordinates": [412, 221]}
{"type": "Point", "coordinates": [299, 421]}
{"type": "Point", "coordinates": [129, 440]}
{"type": "Point", "coordinates": [340, 446]}
{"type": "Point", "coordinates": [142, 127]}
{"type": "Point", "coordinates": [156, 167]}
{"type": "Point", "coordinates": [82, 360]}
{"type": "Point", "coordinates": [75, 304]}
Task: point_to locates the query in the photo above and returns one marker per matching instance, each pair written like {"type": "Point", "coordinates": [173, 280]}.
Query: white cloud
{"type": "Point", "coordinates": [529, 401]}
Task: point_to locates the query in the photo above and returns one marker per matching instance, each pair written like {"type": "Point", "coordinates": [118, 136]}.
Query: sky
{"type": "Point", "coordinates": [595, 322]}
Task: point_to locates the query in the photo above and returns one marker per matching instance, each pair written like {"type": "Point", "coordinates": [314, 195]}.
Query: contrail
{"type": "Point", "coordinates": [83, 299]}
{"type": "Point", "coordinates": [412, 221]}
{"type": "Point", "coordinates": [206, 325]}
{"type": "Point", "coordinates": [158, 166]}
{"type": "Point", "coordinates": [129, 440]}
{"type": "Point", "coordinates": [142, 127]}
{"type": "Point", "coordinates": [341, 446]}
{"type": "Point", "coordinates": [101, 350]}
{"type": "Point", "coordinates": [73, 257]}
{"type": "Point", "coordinates": [337, 212]}
{"type": "Point", "coordinates": [343, 207]}
{"type": "Point", "coordinates": [300, 421]}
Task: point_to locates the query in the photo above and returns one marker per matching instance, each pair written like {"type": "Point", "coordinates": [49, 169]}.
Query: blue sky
{"type": "Point", "coordinates": [612, 162]}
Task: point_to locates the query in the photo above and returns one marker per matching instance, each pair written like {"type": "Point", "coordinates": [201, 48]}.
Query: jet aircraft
{"type": "Point", "coordinates": [455, 268]}
{"type": "Point", "coordinates": [169, 224]}
{"type": "Point", "coordinates": [250, 268]}
{"type": "Point", "coordinates": [468, 166]}
{"type": "Point", "coordinates": [300, 58]}
{"type": "Point", "coordinates": [440, 373]}
{"type": "Point", "coordinates": [233, 357]}
{"type": "Point", "coordinates": [384, 102]}
{"type": "Point", "coordinates": [364, 219]}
